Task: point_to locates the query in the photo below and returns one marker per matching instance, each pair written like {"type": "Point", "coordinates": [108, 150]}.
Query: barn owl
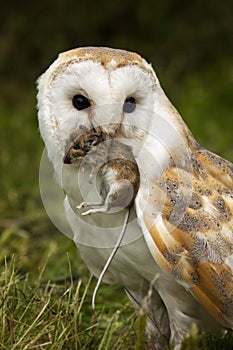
{"type": "Point", "coordinates": [177, 251]}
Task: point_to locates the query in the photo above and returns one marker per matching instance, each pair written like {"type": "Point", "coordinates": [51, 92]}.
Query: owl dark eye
{"type": "Point", "coordinates": [80, 102]}
{"type": "Point", "coordinates": [129, 105]}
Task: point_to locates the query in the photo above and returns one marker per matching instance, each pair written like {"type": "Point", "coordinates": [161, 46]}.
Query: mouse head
{"type": "Point", "coordinates": [79, 145]}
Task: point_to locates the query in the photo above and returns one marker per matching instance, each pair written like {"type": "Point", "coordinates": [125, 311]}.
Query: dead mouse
{"type": "Point", "coordinates": [114, 162]}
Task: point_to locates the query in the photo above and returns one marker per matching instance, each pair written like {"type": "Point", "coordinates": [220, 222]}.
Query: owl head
{"type": "Point", "coordinates": [113, 90]}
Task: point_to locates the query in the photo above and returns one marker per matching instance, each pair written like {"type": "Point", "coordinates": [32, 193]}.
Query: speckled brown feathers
{"type": "Point", "coordinates": [194, 235]}
{"type": "Point", "coordinates": [103, 55]}
{"type": "Point", "coordinates": [107, 57]}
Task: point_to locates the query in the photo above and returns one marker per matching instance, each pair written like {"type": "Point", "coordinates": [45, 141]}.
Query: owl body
{"type": "Point", "coordinates": [177, 251]}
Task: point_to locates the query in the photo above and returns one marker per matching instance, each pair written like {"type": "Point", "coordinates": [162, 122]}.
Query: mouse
{"type": "Point", "coordinates": [114, 162]}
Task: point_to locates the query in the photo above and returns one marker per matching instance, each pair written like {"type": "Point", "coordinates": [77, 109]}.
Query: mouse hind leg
{"type": "Point", "coordinates": [89, 204]}
{"type": "Point", "coordinates": [103, 205]}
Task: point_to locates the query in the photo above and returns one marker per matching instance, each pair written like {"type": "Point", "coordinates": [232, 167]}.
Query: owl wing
{"type": "Point", "coordinates": [191, 237]}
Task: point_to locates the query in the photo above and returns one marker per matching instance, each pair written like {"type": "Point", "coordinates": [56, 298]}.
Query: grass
{"type": "Point", "coordinates": [43, 314]}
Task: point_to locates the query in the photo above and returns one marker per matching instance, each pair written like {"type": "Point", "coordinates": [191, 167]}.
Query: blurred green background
{"type": "Point", "coordinates": [189, 43]}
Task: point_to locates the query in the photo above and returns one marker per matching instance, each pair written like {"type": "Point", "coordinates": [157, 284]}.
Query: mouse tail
{"type": "Point", "coordinates": [108, 262]}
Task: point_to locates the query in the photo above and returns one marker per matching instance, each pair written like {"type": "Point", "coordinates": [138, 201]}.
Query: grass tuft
{"type": "Point", "coordinates": [42, 314]}
{"type": "Point", "coordinates": [47, 315]}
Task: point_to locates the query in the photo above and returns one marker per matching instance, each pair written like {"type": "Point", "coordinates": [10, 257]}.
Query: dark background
{"type": "Point", "coordinates": [189, 43]}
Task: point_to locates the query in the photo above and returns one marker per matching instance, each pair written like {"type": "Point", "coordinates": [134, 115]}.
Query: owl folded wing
{"type": "Point", "coordinates": [191, 238]}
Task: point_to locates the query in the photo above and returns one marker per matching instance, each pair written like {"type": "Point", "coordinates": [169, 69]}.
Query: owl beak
{"type": "Point", "coordinates": [66, 160]}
